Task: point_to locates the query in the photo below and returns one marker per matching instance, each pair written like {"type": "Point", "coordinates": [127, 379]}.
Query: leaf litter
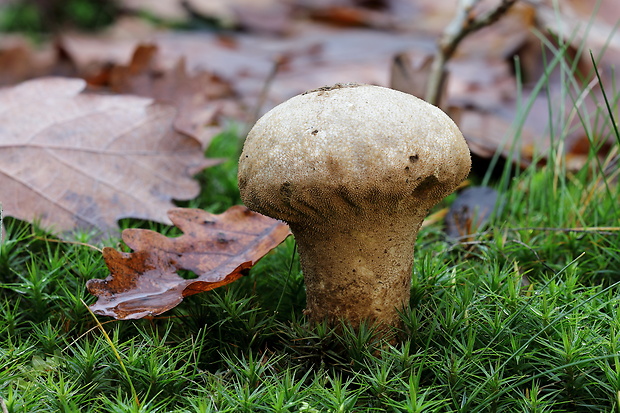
{"type": "Point", "coordinates": [327, 42]}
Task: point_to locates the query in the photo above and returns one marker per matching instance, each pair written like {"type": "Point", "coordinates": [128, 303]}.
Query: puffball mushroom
{"type": "Point", "coordinates": [353, 169]}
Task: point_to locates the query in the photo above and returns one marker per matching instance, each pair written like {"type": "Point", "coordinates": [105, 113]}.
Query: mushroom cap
{"type": "Point", "coordinates": [349, 149]}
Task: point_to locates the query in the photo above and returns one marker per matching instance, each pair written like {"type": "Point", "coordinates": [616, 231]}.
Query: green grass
{"type": "Point", "coordinates": [476, 339]}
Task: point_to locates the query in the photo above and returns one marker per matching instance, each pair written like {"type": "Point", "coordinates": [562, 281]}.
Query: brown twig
{"type": "Point", "coordinates": [595, 230]}
{"type": "Point", "coordinates": [463, 24]}
{"type": "Point", "coordinates": [278, 62]}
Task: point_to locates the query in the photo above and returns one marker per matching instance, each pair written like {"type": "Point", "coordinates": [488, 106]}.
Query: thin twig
{"type": "Point", "coordinates": [278, 62]}
{"type": "Point", "coordinates": [595, 230]}
{"type": "Point", "coordinates": [59, 241]}
{"type": "Point", "coordinates": [461, 26]}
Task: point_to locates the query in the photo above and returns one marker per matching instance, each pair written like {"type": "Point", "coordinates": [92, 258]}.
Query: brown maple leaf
{"type": "Point", "coordinates": [74, 160]}
{"type": "Point", "coordinates": [218, 248]}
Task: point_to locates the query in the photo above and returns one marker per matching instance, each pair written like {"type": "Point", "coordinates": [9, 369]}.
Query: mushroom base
{"type": "Point", "coordinates": [358, 272]}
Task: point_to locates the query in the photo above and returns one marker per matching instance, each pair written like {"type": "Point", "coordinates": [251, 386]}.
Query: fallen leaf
{"type": "Point", "coordinates": [74, 160]}
{"type": "Point", "coordinates": [90, 52]}
{"type": "Point", "coordinates": [527, 140]}
{"type": "Point", "coordinates": [219, 249]}
{"type": "Point", "coordinates": [315, 56]}
{"type": "Point", "coordinates": [470, 211]}
{"type": "Point", "coordinates": [258, 16]}
{"type": "Point", "coordinates": [196, 97]}
{"type": "Point", "coordinates": [20, 60]}
{"type": "Point", "coordinates": [352, 16]}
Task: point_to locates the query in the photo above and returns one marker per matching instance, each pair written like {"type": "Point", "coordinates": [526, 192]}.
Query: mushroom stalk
{"type": "Point", "coordinates": [358, 270]}
{"type": "Point", "coordinates": [353, 169]}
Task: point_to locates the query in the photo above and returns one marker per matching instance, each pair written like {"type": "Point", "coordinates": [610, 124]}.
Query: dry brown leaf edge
{"type": "Point", "coordinates": [219, 249]}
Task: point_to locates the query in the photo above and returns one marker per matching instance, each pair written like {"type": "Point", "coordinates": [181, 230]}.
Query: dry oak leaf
{"type": "Point", "coordinates": [73, 160]}
{"type": "Point", "coordinates": [219, 249]}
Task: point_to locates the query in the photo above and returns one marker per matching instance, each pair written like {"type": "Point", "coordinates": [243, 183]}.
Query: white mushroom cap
{"type": "Point", "coordinates": [350, 148]}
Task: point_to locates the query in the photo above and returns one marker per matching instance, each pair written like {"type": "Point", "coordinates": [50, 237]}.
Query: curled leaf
{"type": "Point", "coordinates": [219, 249]}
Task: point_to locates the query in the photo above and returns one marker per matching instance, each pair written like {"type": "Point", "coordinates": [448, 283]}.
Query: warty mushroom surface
{"type": "Point", "coordinates": [353, 169]}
